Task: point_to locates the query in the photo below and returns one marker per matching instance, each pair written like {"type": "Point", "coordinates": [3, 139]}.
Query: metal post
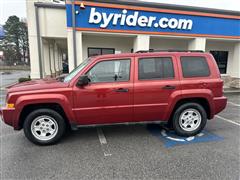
{"type": "Point", "coordinates": [39, 42]}
{"type": "Point", "coordinates": [74, 34]}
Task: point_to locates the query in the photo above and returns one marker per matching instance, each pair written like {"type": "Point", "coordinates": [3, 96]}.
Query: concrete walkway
{"type": "Point", "coordinates": [231, 90]}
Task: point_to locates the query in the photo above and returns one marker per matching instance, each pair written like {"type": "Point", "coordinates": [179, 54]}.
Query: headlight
{"type": "Point", "coordinates": [9, 105]}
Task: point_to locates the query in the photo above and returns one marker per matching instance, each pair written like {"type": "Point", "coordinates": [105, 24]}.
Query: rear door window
{"type": "Point", "coordinates": [155, 68]}
{"type": "Point", "coordinates": [193, 66]}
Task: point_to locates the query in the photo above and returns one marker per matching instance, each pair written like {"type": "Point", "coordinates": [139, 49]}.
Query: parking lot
{"type": "Point", "coordinates": [128, 152]}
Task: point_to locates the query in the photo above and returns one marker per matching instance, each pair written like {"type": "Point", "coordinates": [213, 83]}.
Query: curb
{"type": "Point", "coordinates": [231, 90]}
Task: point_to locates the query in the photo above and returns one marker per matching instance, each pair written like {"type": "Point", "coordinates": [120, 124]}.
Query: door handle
{"type": "Point", "coordinates": [169, 87]}
{"type": "Point", "coordinates": [121, 90]}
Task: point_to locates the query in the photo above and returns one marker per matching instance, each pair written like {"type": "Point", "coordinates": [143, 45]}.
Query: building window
{"type": "Point", "coordinates": [100, 51]}
{"type": "Point", "coordinates": [150, 50]}
{"type": "Point", "coordinates": [221, 58]}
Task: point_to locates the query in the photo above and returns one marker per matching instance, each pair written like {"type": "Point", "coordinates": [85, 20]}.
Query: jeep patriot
{"type": "Point", "coordinates": [180, 88]}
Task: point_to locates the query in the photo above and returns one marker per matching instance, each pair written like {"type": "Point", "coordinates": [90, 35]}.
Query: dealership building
{"type": "Point", "coordinates": [76, 30]}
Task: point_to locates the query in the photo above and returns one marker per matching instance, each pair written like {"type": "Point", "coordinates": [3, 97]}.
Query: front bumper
{"type": "Point", "coordinates": [8, 115]}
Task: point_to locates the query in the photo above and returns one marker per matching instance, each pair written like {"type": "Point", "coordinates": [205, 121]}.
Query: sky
{"type": "Point", "coordinates": [18, 7]}
{"type": "Point", "coordinates": [12, 7]}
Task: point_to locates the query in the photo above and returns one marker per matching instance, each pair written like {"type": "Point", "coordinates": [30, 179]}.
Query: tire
{"type": "Point", "coordinates": [189, 119]}
{"type": "Point", "coordinates": [44, 127]}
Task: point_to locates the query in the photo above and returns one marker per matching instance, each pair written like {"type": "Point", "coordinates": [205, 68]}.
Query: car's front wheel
{"type": "Point", "coordinates": [189, 119]}
{"type": "Point", "coordinates": [44, 126]}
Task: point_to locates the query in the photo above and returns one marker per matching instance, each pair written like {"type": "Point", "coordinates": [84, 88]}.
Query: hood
{"type": "Point", "coordinates": [37, 85]}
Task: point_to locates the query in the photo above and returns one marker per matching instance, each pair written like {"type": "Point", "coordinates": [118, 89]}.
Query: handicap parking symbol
{"type": "Point", "coordinates": [170, 139]}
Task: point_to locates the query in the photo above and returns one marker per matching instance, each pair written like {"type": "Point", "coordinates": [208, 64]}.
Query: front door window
{"type": "Point", "coordinates": [110, 71]}
{"type": "Point", "coordinates": [108, 98]}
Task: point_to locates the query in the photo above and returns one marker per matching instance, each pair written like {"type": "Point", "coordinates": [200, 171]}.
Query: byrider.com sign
{"type": "Point", "coordinates": [129, 19]}
{"type": "Point", "coordinates": [133, 20]}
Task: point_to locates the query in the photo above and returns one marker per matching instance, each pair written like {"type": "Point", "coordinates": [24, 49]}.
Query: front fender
{"type": "Point", "coordinates": [60, 99]}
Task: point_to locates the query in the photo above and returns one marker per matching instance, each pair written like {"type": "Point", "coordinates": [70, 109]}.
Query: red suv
{"type": "Point", "coordinates": [181, 88]}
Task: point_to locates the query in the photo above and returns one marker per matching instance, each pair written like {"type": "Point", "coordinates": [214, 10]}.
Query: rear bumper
{"type": "Point", "coordinates": [7, 115]}
{"type": "Point", "coordinates": [219, 104]}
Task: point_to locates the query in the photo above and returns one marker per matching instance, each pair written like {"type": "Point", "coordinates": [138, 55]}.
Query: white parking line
{"type": "Point", "coordinates": [234, 104]}
{"type": "Point", "coordinates": [228, 120]}
{"type": "Point", "coordinates": [101, 136]}
{"type": "Point", "coordinates": [103, 142]}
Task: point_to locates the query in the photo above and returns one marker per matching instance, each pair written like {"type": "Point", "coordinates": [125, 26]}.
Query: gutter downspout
{"type": "Point", "coordinates": [54, 59]}
{"type": "Point", "coordinates": [74, 34]}
{"type": "Point", "coordinates": [39, 43]}
{"type": "Point", "coordinates": [50, 63]}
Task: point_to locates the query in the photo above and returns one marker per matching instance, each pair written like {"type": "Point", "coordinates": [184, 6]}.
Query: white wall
{"type": "Point", "coordinates": [165, 44]}
{"type": "Point", "coordinates": [141, 43]}
{"type": "Point", "coordinates": [53, 22]}
{"type": "Point", "coordinates": [198, 43]}
{"type": "Point", "coordinates": [123, 44]}
{"type": "Point", "coordinates": [46, 58]}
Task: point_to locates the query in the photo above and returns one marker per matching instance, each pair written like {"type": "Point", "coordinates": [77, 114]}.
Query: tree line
{"type": "Point", "coordinates": [14, 43]}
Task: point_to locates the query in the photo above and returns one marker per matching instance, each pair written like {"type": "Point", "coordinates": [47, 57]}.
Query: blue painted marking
{"type": "Point", "coordinates": [170, 139]}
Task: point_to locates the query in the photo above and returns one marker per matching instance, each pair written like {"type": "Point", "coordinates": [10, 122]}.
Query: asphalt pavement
{"type": "Point", "coordinates": [127, 152]}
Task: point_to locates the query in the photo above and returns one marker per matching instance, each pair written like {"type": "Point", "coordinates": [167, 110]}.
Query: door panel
{"type": "Point", "coordinates": [152, 96]}
{"type": "Point", "coordinates": [104, 102]}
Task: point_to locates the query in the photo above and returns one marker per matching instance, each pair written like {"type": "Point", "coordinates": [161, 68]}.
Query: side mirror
{"type": "Point", "coordinates": [83, 81]}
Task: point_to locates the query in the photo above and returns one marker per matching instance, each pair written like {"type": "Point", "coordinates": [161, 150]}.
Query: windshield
{"type": "Point", "coordinates": [77, 70]}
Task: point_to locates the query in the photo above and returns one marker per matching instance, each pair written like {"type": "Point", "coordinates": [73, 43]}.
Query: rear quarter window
{"type": "Point", "coordinates": [193, 66]}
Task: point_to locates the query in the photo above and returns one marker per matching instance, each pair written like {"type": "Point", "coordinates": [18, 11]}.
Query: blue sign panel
{"type": "Point", "coordinates": [139, 21]}
{"type": "Point", "coordinates": [170, 139]}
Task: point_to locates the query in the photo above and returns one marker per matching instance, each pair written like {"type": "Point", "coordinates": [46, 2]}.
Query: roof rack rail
{"type": "Point", "coordinates": [168, 50]}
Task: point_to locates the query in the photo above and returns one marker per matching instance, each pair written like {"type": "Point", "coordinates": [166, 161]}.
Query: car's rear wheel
{"type": "Point", "coordinates": [44, 126]}
{"type": "Point", "coordinates": [189, 119]}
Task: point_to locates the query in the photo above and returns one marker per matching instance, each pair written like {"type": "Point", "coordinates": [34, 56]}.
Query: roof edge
{"type": "Point", "coordinates": [147, 4]}
{"type": "Point", "coordinates": [168, 6]}
{"type": "Point", "coordinates": [50, 5]}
